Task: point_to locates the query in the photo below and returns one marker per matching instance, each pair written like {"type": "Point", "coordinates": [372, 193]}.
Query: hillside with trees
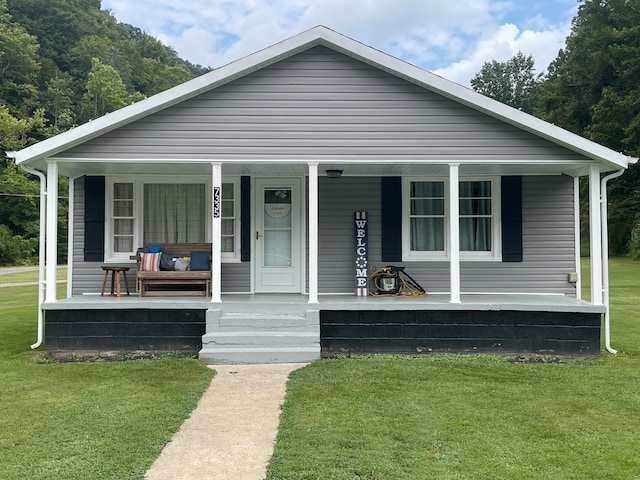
{"type": "Point", "coordinates": [63, 63]}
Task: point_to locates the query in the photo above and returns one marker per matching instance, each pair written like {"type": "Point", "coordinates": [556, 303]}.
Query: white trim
{"type": "Point", "coordinates": [548, 160]}
{"type": "Point", "coordinates": [495, 255]}
{"type": "Point", "coordinates": [576, 231]}
{"type": "Point", "coordinates": [52, 231]}
{"type": "Point", "coordinates": [313, 233]}
{"type": "Point", "coordinates": [216, 231]}
{"type": "Point", "coordinates": [70, 226]}
{"type": "Point", "coordinates": [454, 232]}
{"type": "Point", "coordinates": [595, 226]}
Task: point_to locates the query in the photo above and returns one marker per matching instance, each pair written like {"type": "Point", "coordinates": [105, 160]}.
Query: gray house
{"type": "Point", "coordinates": [302, 168]}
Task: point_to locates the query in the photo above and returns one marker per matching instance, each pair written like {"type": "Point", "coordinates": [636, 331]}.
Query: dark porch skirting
{"type": "Point", "coordinates": [101, 330]}
{"type": "Point", "coordinates": [462, 331]}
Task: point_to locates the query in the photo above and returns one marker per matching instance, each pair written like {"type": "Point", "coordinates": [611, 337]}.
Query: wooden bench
{"type": "Point", "coordinates": [175, 278]}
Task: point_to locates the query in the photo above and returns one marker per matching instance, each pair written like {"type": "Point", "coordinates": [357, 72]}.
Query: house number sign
{"type": "Point", "coordinates": [361, 245]}
{"type": "Point", "coordinates": [217, 202]}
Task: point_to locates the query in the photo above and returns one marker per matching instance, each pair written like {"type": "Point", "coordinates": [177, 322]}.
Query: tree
{"type": "Point", "coordinates": [593, 89]}
{"type": "Point", "coordinates": [18, 64]}
{"type": "Point", "coordinates": [106, 91]}
{"type": "Point", "coordinates": [512, 82]}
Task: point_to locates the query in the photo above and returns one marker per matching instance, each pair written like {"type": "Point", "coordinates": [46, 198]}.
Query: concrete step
{"type": "Point", "coordinates": [259, 355]}
{"type": "Point", "coordinates": [263, 338]}
{"type": "Point", "coordinates": [265, 322]}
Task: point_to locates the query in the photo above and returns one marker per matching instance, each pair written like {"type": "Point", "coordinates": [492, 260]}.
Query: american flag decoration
{"type": "Point", "coordinates": [361, 246]}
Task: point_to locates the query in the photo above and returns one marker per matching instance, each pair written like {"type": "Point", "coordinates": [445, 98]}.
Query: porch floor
{"type": "Point", "coordinates": [277, 302]}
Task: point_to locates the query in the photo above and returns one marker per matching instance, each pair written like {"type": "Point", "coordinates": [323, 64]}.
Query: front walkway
{"type": "Point", "coordinates": [232, 431]}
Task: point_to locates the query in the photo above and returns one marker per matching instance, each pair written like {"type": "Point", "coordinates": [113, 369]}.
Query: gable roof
{"type": "Point", "coordinates": [324, 36]}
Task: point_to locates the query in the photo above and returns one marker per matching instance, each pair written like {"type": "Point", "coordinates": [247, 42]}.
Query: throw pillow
{"type": "Point", "coordinates": [200, 261]}
{"type": "Point", "coordinates": [149, 262]}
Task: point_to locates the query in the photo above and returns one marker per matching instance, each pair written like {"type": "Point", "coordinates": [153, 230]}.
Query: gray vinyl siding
{"type": "Point", "coordinates": [88, 277]}
{"type": "Point", "coordinates": [548, 246]}
{"type": "Point", "coordinates": [320, 105]}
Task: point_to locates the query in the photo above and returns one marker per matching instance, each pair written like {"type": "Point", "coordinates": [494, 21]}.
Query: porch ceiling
{"type": "Point", "coordinates": [267, 168]}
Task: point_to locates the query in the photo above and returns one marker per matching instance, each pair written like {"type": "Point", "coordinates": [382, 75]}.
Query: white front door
{"type": "Point", "coordinates": [279, 252]}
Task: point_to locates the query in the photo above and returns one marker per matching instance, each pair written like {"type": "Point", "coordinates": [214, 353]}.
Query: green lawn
{"type": "Point", "coordinates": [29, 276]}
{"type": "Point", "coordinates": [470, 417]}
{"type": "Point", "coordinates": [106, 420]}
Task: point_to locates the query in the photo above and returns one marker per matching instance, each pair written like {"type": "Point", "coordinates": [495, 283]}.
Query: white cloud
{"type": "Point", "coordinates": [504, 44]}
{"type": "Point", "coordinates": [452, 38]}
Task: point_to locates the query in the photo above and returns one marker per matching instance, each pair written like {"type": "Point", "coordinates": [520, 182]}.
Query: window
{"type": "Point", "coordinates": [426, 219]}
{"type": "Point", "coordinates": [168, 210]}
{"type": "Point", "coordinates": [123, 218]}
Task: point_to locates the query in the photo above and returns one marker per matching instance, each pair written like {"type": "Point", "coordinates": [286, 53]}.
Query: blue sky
{"type": "Point", "coordinates": [450, 38]}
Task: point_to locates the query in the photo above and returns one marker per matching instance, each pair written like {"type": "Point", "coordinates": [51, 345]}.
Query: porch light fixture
{"type": "Point", "coordinates": [334, 173]}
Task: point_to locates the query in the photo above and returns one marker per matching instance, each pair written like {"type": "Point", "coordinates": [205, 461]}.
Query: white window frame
{"type": "Point", "coordinates": [138, 202]}
{"type": "Point", "coordinates": [496, 241]}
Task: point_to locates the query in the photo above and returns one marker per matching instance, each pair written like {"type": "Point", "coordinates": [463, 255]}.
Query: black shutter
{"type": "Point", "coordinates": [245, 219]}
{"type": "Point", "coordinates": [391, 197]}
{"type": "Point", "coordinates": [94, 219]}
{"type": "Point", "coordinates": [512, 219]}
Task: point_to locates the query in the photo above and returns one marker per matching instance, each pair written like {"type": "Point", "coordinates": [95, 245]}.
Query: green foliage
{"type": "Point", "coordinates": [105, 89]}
{"type": "Point", "coordinates": [512, 82]}
{"type": "Point", "coordinates": [634, 241]}
{"type": "Point", "coordinates": [593, 89]}
{"type": "Point", "coordinates": [63, 62]}
{"type": "Point", "coordinates": [15, 250]}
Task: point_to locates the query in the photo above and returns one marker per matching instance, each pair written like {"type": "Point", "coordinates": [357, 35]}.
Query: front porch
{"type": "Point", "coordinates": [283, 327]}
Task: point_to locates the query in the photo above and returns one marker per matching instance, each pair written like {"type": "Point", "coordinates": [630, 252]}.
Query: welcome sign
{"type": "Point", "coordinates": [361, 243]}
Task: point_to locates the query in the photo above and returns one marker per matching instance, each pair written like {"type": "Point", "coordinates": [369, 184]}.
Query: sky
{"type": "Point", "coordinates": [451, 38]}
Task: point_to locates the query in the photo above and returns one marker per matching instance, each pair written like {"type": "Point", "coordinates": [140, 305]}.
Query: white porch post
{"type": "Point", "coordinates": [595, 227]}
{"type": "Point", "coordinates": [70, 225]}
{"type": "Point", "coordinates": [52, 230]}
{"type": "Point", "coordinates": [216, 233]}
{"type": "Point", "coordinates": [313, 233]}
{"type": "Point", "coordinates": [576, 232]}
{"type": "Point", "coordinates": [454, 232]}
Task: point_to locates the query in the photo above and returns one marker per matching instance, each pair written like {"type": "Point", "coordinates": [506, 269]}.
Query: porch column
{"type": "Point", "coordinates": [576, 232]}
{"type": "Point", "coordinates": [52, 230]}
{"type": "Point", "coordinates": [454, 232]}
{"type": "Point", "coordinates": [70, 224]}
{"type": "Point", "coordinates": [313, 233]}
{"type": "Point", "coordinates": [595, 227]}
{"type": "Point", "coordinates": [216, 233]}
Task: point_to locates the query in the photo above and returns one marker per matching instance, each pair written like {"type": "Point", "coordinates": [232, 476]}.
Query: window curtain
{"type": "Point", "coordinates": [427, 216]}
{"type": "Point", "coordinates": [475, 216]}
{"type": "Point", "coordinates": [174, 213]}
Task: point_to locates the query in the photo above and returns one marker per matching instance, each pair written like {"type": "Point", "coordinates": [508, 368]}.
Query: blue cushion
{"type": "Point", "coordinates": [200, 261]}
{"type": "Point", "coordinates": [154, 248]}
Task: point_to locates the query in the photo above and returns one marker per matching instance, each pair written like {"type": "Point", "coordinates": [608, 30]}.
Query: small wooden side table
{"type": "Point", "coordinates": [115, 279]}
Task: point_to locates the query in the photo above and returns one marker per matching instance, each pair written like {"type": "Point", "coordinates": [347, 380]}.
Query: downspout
{"type": "Point", "coordinates": [605, 257]}
{"type": "Point", "coordinates": [41, 253]}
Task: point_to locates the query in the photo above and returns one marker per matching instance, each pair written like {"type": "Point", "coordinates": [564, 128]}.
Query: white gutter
{"type": "Point", "coordinates": [41, 262]}
{"type": "Point", "coordinates": [605, 258]}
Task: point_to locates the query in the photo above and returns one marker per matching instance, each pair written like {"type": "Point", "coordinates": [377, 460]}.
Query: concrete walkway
{"type": "Point", "coordinates": [231, 433]}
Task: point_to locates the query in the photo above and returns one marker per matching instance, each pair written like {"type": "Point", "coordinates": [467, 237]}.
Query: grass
{"type": "Point", "coordinates": [29, 276]}
{"type": "Point", "coordinates": [105, 420]}
{"type": "Point", "coordinates": [470, 417]}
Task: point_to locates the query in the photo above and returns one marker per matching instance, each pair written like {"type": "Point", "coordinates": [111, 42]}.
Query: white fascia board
{"type": "Point", "coordinates": [321, 35]}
